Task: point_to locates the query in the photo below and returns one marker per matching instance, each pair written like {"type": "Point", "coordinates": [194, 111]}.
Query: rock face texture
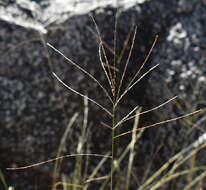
{"type": "Point", "coordinates": [35, 108]}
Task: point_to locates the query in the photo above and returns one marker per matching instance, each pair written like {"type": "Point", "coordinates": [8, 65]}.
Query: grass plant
{"type": "Point", "coordinates": [114, 96]}
{"type": "Point", "coordinates": [168, 172]}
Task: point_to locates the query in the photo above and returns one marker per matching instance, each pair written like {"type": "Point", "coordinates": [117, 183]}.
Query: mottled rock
{"type": "Point", "coordinates": [35, 108]}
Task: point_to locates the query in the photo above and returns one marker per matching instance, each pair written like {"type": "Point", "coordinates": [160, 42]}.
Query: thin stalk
{"type": "Point", "coordinates": [67, 184]}
{"type": "Point", "coordinates": [115, 45]}
{"type": "Point", "coordinates": [182, 159]}
{"type": "Point", "coordinates": [65, 181]}
{"type": "Point", "coordinates": [112, 162]}
{"type": "Point", "coordinates": [111, 171]}
{"type": "Point", "coordinates": [105, 56]}
{"type": "Point", "coordinates": [76, 92]}
{"type": "Point", "coordinates": [113, 135]}
{"type": "Point", "coordinates": [125, 45]}
{"type": "Point", "coordinates": [131, 84]}
{"type": "Point", "coordinates": [81, 69]}
{"type": "Point", "coordinates": [103, 66]}
{"type": "Point", "coordinates": [146, 59]}
{"type": "Point", "coordinates": [173, 176]}
{"type": "Point", "coordinates": [123, 155]}
{"type": "Point", "coordinates": [132, 154]}
{"type": "Point", "coordinates": [97, 179]}
{"type": "Point", "coordinates": [86, 166]}
{"type": "Point", "coordinates": [148, 169]}
{"type": "Point", "coordinates": [126, 118]}
{"type": "Point", "coordinates": [127, 62]}
{"type": "Point", "coordinates": [95, 171]}
{"type": "Point", "coordinates": [162, 122]}
{"type": "Point", "coordinates": [57, 158]}
{"type": "Point", "coordinates": [106, 125]}
{"type": "Point", "coordinates": [61, 146]}
{"type": "Point", "coordinates": [119, 58]}
{"type": "Point", "coordinates": [200, 143]}
{"type": "Point", "coordinates": [127, 149]}
{"type": "Point", "coordinates": [196, 180]}
{"type": "Point", "coordinates": [78, 162]}
{"type": "Point", "coordinates": [130, 87]}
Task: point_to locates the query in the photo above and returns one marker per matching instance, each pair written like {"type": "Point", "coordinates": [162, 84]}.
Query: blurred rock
{"type": "Point", "coordinates": [35, 108]}
{"type": "Point", "coordinates": [182, 67]}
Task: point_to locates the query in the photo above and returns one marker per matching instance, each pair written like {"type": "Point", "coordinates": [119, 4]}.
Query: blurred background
{"type": "Point", "coordinates": [35, 109]}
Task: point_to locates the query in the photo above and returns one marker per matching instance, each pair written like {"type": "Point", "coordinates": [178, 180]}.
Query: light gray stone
{"type": "Point", "coordinates": [35, 108]}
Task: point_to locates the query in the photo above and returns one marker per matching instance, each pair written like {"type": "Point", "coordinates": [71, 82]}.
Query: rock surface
{"type": "Point", "coordinates": [35, 108]}
{"type": "Point", "coordinates": [42, 13]}
{"type": "Point", "coordinates": [182, 61]}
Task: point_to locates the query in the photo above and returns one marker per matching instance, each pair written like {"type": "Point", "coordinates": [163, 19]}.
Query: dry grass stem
{"type": "Point", "coordinates": [115, 44]}
{"type": "Point", "coordinates": [67, 184]}
{"type": "Point", "coordinates": [58, 158]}
{"type": "Point", "coordinates": [81, 69]}
{"type": "Point", "coordinates": [106, 125]}
{"type": "Point", "coordinates": [126, 91]}
{"type": "Point", "coordinates": [144, 112]}
{"type": "Point", "coordinates": [163, 122]}
{"type": "Point", "coordinates": [61, 146]}
{"type": "Point", "coordinates": [103, 66]}
{"type": "Point", "coordinates": [196, 180]}
{"type": "Point", "coordinates": [78, 160]}
{"type": "Point", "coordinates": [127, 62]}
{"type": "Point", "coordinates": [138, 136]}
{"type": "Point", "coordinates": [146, 59]}
{"type": "Point", "coordinates": [125, 44]}
{"type": "Point", "coordinates": [132, 153]}
{"type": "Point", "coordinates": [152, 109]}
{"type": "Point", "coordinates": [96, 179]}
{"type": "Point", "coordinates": [190, 150]}
{"type": "Point", "coordinates": [171, 177]}
{"type": "Point", "coordinates": [124, 118]}
{"type": "Point", "coordinates": [76, 92]}
{"type": "Point", "coordinates": [115, 94]}
{"type": "Point", "coordinates": [105, 56]}
{"type": "Point", "coordinates": [95, 171]}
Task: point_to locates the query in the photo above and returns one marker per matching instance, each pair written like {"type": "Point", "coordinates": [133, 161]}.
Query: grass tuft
{"type": "Point", "coordinates": [116, 177]}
